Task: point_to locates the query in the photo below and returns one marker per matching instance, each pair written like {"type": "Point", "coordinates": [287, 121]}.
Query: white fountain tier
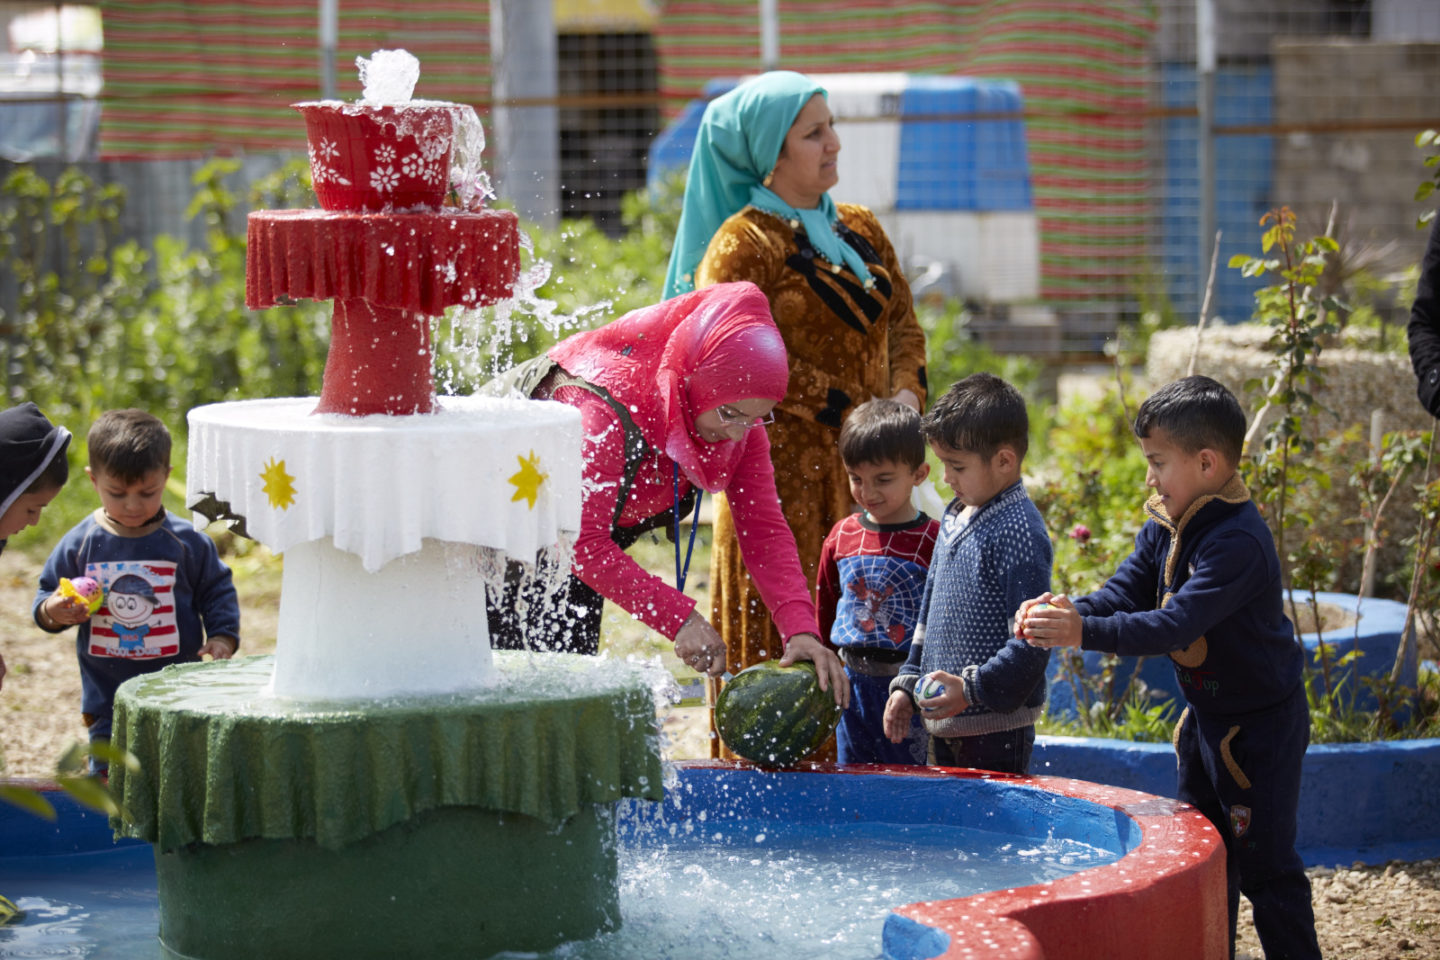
{"type": "Point", "coordinates": [391, 528]}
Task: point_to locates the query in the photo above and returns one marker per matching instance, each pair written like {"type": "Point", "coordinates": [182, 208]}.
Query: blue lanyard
{"type": "Point", "coordinates": [680, 571]}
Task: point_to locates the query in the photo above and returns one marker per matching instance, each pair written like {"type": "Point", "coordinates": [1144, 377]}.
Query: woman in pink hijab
{"type": "Point", "coordinates": [673, 398]}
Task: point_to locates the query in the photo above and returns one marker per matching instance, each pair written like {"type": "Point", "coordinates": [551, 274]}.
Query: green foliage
{"type": "Point", "coordinates": [1298, 324]}
{"type": "Point", "coordinates": [71, 776]}
{"type": "Point", "coordinates": [1402, 713]}
{"type": "Point", "coordinates": [1289, 476]}
{"type": "Point", "coordinates": [100, 325]}
{"type": "Point", "coordinates": [1131, 712]}
{"type": "Point", "coordinates": [1089, 486]}
{"type": "Point", "coordinates": [1429, 141]}
{"type": "Point", "coordinates": [953, 352]}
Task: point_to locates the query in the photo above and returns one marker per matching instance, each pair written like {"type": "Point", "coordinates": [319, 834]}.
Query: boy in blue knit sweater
{"type": "Point", "coordinates": [1203, 586]}
{"type": "Point", "coordinates": [993, 551]}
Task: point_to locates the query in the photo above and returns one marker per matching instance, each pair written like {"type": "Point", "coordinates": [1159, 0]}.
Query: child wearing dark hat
{"type": "Point", "coordinates": [167, 596]}
{"type": "Point", "coordinates": [33, 468]}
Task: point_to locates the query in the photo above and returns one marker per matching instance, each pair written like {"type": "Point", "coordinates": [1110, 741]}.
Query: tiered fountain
{"type": "Point", "coordinates": [384, 786]}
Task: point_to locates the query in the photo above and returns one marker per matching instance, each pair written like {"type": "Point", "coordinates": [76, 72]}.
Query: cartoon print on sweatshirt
{"type": "Point", "coordinates": [137, 620]}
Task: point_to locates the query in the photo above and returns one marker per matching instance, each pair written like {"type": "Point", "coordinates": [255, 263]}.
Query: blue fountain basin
{"type": "Point", "coordinates": [1042, 865]}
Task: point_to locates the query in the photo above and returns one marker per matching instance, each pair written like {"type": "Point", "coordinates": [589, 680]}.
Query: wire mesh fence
{"type": "Point", "coordinates": [1145, 127]}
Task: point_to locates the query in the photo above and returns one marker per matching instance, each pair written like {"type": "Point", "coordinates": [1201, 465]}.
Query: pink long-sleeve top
{"type": "Point", "coordinates": [766, 542]}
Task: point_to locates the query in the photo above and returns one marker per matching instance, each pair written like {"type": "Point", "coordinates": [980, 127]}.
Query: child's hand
{"type": "Point", "coordinates": [1055, 625]}
{"type": "Point", "coordinates": [949, 703]}
{"type": "Point", "coordinates": [64, 611]}
{"type": "Point", "coordinates": [898, 711]}
{"type": "Point", "coordinates": [217, 648]}
{"type": "Point", "coordinates": [1025, 608]}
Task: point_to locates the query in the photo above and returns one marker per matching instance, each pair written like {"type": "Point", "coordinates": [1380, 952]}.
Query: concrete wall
{"type": "Point", "coordinates": [1243, 28]}
{"type": "Point", "coordinates": [1344, 153]}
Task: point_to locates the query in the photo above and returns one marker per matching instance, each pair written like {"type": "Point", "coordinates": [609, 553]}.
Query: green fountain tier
{"type": "Point", "coordinates": [453, 826]}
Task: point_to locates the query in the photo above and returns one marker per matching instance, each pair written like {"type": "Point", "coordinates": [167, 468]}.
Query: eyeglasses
{"type": "Point", "coordinates": [734, 418]}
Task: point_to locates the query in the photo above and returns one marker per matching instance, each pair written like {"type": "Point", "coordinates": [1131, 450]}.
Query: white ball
{"type": "Point", "coordinates": [928, 687]}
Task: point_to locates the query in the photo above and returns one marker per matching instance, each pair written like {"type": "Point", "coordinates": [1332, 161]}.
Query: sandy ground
{"type": "Point", "coordinates": [1363, 913]}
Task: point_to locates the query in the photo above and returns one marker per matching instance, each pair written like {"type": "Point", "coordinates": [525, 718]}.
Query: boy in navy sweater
{"type": "Point", "coordinates": [992, 553]}
{"type": "Point", "coordinates": [1203, 586]}
{"type": "Point", "coordinates": [168, 596]}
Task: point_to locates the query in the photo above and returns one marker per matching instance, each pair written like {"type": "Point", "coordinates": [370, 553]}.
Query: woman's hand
{"type": "Point", "coordinates": [807, 646]}
{"type": "Point", "coordinates": [909, 398]}
{"type": "Point", "coordinates": [698, 645]}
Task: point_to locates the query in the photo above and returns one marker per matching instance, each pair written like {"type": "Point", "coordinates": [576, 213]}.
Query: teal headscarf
{"type": "Point", "coordinates": [738, 143]}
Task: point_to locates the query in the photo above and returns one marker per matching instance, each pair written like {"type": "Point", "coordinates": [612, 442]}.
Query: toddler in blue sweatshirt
{"type": "Point", "coordinates": [168, 596]}
{"type": "Point", "coordinates": [1203, 587]}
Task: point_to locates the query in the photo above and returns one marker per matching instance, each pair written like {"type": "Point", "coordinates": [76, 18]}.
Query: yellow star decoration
{"type": "Point", "coordinates": [528, 479]}
{"type": "Point", "coordinates": [279, 485]}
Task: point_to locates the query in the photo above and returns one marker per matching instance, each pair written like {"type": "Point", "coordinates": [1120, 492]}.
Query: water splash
{"type": "Point", "coordinates": [388, 76]}
{"type": "Point", "coordinates": [474, 344]}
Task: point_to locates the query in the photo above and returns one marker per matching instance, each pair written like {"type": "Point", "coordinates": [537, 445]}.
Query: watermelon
{"type": "Point", "coordinates": [775, 715]}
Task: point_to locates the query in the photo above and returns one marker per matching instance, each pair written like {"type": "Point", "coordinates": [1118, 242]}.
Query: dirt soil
{"type": "Point", "coordinates": [1389, 912]}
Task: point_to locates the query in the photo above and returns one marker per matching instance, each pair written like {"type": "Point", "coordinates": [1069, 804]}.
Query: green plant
{"type": "Point", "coordinates": [953, 352]}
{"type": "Point", "coordinates": [1298, 322]}
{"type": "Point", "coordinates": [71, 777]}
{"type": "Point", "coordinates": [1428, 140]}
{"type": "Point", "coordinates": [1088, 483]}
{"type": "Point", "coordinates": [1132, 712]}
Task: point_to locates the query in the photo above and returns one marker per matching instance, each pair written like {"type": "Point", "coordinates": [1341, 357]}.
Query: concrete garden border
{"type": "Point", "coordinates": [1376, 635]}
{"type": "Point", "coordinates": [1366, 802]}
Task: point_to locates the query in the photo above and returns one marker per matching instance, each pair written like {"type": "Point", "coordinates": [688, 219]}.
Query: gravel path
{"type": "Point", "coordinates": [1362, 913]}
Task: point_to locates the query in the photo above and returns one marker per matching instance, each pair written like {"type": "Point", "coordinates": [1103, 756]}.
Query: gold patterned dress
{"type": "Point", "coordinates": [847, 343]}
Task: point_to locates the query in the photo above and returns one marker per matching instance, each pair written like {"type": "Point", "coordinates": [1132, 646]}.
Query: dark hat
{"type": "Point", "coordinates": [28, 442]}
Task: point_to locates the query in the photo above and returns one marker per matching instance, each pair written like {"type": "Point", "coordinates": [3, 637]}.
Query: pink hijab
{"type": "Point", "coordinates": [673, 361]}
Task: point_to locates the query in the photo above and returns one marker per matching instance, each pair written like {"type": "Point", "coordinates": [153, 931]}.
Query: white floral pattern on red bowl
{"type": "Point", "coordinates": [379, 159]}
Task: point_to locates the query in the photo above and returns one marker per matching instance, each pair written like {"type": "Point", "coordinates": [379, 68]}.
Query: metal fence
{"type": "Point", "coordinates": [1150, 125]}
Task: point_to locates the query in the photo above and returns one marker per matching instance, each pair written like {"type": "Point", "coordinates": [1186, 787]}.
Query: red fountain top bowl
{"type": "Point", "coordinates": [378, 159]}
{"type": "Point", "coordinates": [383, 247]}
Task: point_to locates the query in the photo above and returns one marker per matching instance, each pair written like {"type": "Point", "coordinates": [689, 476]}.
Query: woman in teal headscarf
{"type": "Point", "coordinates": [758, 208]}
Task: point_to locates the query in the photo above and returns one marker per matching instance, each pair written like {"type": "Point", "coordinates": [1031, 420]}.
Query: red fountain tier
{"type": "Point", "coordinates": [383, 249]}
